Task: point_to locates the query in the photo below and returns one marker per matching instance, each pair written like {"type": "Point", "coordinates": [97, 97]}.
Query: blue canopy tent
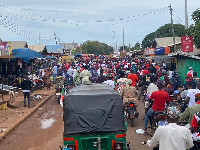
{"type": "Point", "coordinates": [51, 57]}
{"type": "Point", "coordinates": [26, 54]}
{"type": "Point", "coordinates": [78, 55]}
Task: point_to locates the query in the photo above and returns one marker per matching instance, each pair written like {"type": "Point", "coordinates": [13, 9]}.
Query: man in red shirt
{"type": "Point", "coordinates": [133, 78]}
{"type": "Point", "coordinates": [160, 97]}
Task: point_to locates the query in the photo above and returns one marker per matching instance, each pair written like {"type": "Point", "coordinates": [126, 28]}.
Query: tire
{"type": "Point", "coordinates": [131, 120]}
{"type": "Point", "coordinates": [39, 86]}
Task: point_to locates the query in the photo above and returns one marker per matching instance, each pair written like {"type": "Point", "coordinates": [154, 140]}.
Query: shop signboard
{"type": "Point", "coordinates": [187, 44]}
{"type": "Point", "coordinates": [151, 51]}
{"type": "Point", "coordinates": [159, 51]}
{"type": "Point", "coordinates": [5, 48]}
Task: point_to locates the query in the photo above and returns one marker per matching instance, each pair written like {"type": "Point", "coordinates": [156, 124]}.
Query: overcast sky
{"type": "Point", "coordinates": [81, 20]}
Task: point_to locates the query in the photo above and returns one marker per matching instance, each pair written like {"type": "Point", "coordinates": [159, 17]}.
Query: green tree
{"type": "Point", "coordinates": [196, 31]}
{"type": "Point", "coordinates": [125, 48]}
{"type": "Point", "coordinates": [190, 30]}
{"type": "Point", "coordinates": [137, 46]}
{"type": "Point", "coordinates": [95, 47]}
{"type": "Point", "coordinates": [164, 31]}
{"type": "Point", "coordinates": [148, 40]}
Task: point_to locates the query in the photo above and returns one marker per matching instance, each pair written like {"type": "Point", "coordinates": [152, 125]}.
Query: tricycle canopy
{"type": "Point", "coordinates": [95, 108]}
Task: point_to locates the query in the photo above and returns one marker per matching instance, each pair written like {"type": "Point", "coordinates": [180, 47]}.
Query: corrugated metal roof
{"type": "Point", "coordinates": [54, 48]}
{"type": "Point", "coordinates": [17, 44]}
{"type": "Point", "coordinates": [176, 54]}
{"type": "Point", "coordinates": [37, 48]}
{"type": "Point", "coordinates": [69, 46]}
{"type": "Point", "coordinates": [167, 41]}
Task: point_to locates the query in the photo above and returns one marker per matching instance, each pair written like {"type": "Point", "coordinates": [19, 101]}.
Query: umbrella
{"type": "Point", "coordinates": [50, 57]}
{"type": "Point", "coordinates": [26, 54]}
{"type": "Point", "coordinates": [78, 55]}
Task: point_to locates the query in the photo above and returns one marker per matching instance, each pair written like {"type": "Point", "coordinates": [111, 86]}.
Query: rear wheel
{"type": "Point", "coordinates": [131, 120]}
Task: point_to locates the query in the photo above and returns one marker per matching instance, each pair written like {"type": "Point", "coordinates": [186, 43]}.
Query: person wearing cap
{"type": "Point", "coordinates": [187, 115]}
{"type": "Point", "coordinates": [160, 97]}
{"type": "Point", "coordinates": [191, 70]}
{"type": "Point", "coordinates": [189, 77]}
{"type": "Point", "coordinates": [172, 136]}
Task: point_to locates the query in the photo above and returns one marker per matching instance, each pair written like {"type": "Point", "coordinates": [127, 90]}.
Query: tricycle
{"type": "Point", "coordinates": [94, 119]}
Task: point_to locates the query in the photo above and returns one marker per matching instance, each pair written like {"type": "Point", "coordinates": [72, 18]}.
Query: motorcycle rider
{"type": "Point", "coordinates": [85, 76]}
{"type": "Point", "coordinates": [133, 78]}
{"type": "Point", "coordinates": [172, 136]}
{"type": "Point", "coordinates": [145, 82]}
{"type": "Point", "coordinates": [187, 115]}
{"type": "Point", "coordinates": [151, 88]}
{"type": "Point", "coordinates": [160, 97]}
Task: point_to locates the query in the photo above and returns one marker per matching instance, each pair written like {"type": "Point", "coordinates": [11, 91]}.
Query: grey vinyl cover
{"type": "Point", "coordinates": [95, 108]}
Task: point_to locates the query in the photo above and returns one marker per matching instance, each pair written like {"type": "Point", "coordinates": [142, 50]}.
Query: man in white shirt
{"type": "Point", "coordinates": [74, 72]}
{"type": "Point", "coordinates": [70, 71]}
{"type": "Point", "coordinates": [171, 137]}
{"type": "Point", "coordinates": [152, 86]}
{"type": "Point", "coordinates": [190, 100]}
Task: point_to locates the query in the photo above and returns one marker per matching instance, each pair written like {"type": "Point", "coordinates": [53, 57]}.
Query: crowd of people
{"type": "Point", "coordinates": [131, 77]}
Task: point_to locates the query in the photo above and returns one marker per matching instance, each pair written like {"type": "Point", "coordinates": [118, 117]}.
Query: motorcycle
{"type": "Point", "coordinates": [71, 82]}
{"type": "Point", "coordinates": [17, 82]}
{"type": "Point", "coordinates": [39, 83]}
{"type": "Point", "coordinates": [130, 111]}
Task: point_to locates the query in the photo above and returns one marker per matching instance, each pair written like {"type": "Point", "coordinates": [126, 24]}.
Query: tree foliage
{"type": "Point", "coordinates": [95, 47]}
{"type": "Point", "coordinates": [196, 29]}
{"type": "Point", "coordinates": [125, 48]}
{"type": "Point", "coordinates": [164, 31]}
{"type": "Point", "coordinates": [137, 46]}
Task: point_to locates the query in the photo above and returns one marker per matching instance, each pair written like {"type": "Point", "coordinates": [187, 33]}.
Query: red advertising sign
{"type": "Point", "coordinates": [187, 44]}
{"type": "Point", "coordinates": [151, 51]}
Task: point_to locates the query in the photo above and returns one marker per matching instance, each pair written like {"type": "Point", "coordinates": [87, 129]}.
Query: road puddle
{"type": "Point", "coordinates": [46, 123]}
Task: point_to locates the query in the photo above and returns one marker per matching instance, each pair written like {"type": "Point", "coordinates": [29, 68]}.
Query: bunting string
{"type": "Point", "coordinates": [8, 11]}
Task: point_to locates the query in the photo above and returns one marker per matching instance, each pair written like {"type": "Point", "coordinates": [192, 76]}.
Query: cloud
{"type": "Point", "coordinates": [78, 20]}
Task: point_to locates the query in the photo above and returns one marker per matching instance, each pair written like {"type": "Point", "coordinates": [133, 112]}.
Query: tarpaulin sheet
{"type": "Point", "coordinates": [93, 110]}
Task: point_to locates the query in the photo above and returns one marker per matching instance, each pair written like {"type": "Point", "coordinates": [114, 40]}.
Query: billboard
{"type": "Point", "coordinates": [5, 48]}
{"type": "Point", "coordinates": [151, 51]}
{"type": "Point", "coordinates": [187, 44]}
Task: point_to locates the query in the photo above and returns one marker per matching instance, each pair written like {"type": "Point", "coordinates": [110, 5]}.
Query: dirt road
{"type": "Point", "coordinates": [44, 129]}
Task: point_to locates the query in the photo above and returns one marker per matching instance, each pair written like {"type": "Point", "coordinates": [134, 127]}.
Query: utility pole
{"type": "Point", "coordinates": [114, 41]}
{"type": "Point", "coordinates": [116, 46]}
{"type": "Point", "coordinates": [39, 38]}
{"type": "Point", "coordinates": [186, 15]}
{"type": "Point", "coordinates": [123, 37]}
{"type": "Point", "coordinates": [170, 8]}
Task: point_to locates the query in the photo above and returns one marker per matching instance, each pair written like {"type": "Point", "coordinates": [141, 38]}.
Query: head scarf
{"type": "Point", "coordinates": [173, 112]}
{"type": "Point", "coordinates": [160, 83]}
{"type": "Point", "coordinates": [128, 82]}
